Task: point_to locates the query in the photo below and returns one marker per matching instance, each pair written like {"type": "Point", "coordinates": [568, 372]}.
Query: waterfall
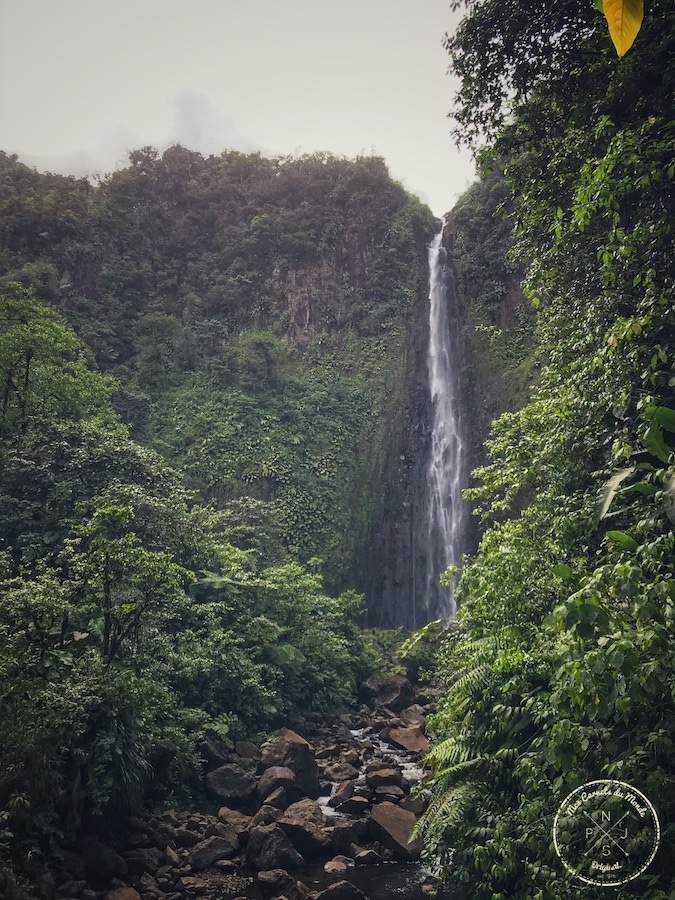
{"type": "Point", "coordinates": [446, 512]}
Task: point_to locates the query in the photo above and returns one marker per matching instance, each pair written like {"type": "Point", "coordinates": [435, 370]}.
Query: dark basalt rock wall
{"type": "Point", "coordinates": [393, 568]}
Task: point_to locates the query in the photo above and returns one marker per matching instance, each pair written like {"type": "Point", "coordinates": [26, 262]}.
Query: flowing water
{"type": "Point", "coordinates": [447, 463]}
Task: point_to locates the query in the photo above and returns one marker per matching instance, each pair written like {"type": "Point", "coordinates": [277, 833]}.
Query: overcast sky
{"type": "Point", "coordinates": [82, 82]}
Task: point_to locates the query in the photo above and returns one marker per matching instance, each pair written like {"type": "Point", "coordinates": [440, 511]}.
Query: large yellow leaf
{"type": "Point", "coordinates": [624, 18]}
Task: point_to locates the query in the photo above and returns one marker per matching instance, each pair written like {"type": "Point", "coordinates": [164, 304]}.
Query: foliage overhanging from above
{"type": "Point", "coordinates": [561, 670]}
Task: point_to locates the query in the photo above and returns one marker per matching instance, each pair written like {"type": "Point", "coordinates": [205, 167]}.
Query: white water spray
{"type": "Point", "coordinates": [446, 475]}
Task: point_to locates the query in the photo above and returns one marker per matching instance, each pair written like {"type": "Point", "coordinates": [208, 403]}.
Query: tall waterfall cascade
{"type": "Point", "coordinates": [446, 477]}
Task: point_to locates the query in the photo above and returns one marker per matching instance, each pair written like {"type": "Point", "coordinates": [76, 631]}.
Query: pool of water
{"type": "Point", "coordinates": [391, 880]}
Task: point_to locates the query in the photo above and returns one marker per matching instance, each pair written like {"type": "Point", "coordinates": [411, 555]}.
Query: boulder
{"type": "Point", "coordinates": [394, 692]}
{"type": "Point", "coordinates": [192, 884]}
{"type": "Point", "coordinates": [304, 823]}
{"type": "Point", "coordinates": [171, 858]}
{"type": "Point", "coordinates": [232, 784]}
{"type": "Point", "coordinates": [327, 751]}
{"type": "Point", "coordinates": [344, 835]}
{"type": "Point", "coordinates": [46, 885]}
{"type": "Point", "coordinates": [278, 798]}
{"type": "Point", "coordinates": [342, 890]}
{"type": "Point", "coordinates": [277, 777]}
{"type": "Point", "coordinates": [123, 893]}
{"type": "Point", "coordinates": [148, 887]}
{"type": "Point", "coordinates": [411, 738]}
{"type": "Point", "coordinates": [101, 862]}
{"type": "Point", "coordinates": [391, 826]}
{"type": "Point", "coordinates": [293, 751]}
{"type": "Point", "coordinates": [375, 779]}
{"type": "Point", "coordinates": [172, 818]}
{"type": "Point", "coordinates": [389, 792]}
{"type": "Point", "coordinates": [73, 864]}
{"type": "Point", "coordinates": [163, 834]}
{"type": "Point", "coordinates": [352, 757]}
{"type": "Point", "coordinates": [144, 860]}
{"type": "Point", "coordinates": [236, 819]}
{"type": "Point", "coordinates": [342, 792]}
{"type": "Point", "coordinates": [196, 823]}
{"type": "Point", "coordinates": [266, 815]}
{"type": "Point", "coordinates": [213, 848]}
{"type": "Point", "coordinates": [269, 848]}
{"type": "Point", "coordinates": [247, 750]}
{"type": "Point", "coordinates": [344, 735]}
{"type": "Point", "coordinates": [355, 806]}
{"type": "Point", "coordinates": [135, 841]}
{"type": "Point", "coordinates": [340, 771]}
{"type": "Point", "coordinates": [336, 866]}
{"type": "Point", "coordinates": [413, 715]}
{"type": "Point", "coordinates": [275, 882]}
{"type": "Point", "coordinates": [226, 866]}
{"type": "Point", "coordinates": [186, 838]}
{"type": "Point", "coordinates": [214, 751]}
{"type": "Point", "coordinates": [416, 805]}
{"type": "Point", "coordinates": [368, 858]}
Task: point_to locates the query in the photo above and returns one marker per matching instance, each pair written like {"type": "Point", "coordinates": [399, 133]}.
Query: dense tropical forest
{"type": "Point", "coordinates": [205, 365]}
{"type": "Point", "coordinates": [561, 672]}
{"type": "Point", "coordinates": [212, 433]}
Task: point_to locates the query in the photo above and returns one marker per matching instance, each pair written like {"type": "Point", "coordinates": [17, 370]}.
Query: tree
{"type": "Point", "coordinates": [42, 366]}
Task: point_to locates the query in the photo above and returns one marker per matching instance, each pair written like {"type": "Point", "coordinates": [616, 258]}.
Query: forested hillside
{"type": "Point", "coordinates": [208, 377]}
{"type": "Point", "coordinates": [265, 321]}
{"type": "Point", "coordinates": [561, 669]}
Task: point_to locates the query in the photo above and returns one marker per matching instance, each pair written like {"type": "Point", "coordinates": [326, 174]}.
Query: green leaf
{"type": "Point", "coordinates": [287, 655]}
{"type": "Point", "coordinates": [622, 539]}
{"type": "Point", "coordinates": [642, 487]}
{"type": "Point", "coordinates": [653, 441]}
{"type": "Point", "coordinates": [563, 571]}
{"type": "Point", "coordinates": [665, 417]}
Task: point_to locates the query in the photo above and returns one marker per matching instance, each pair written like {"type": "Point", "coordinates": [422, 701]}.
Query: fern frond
{"type": "Point", "coordinates": [450, 752]}
{"type": "Point", "coordinates": [447, 811]}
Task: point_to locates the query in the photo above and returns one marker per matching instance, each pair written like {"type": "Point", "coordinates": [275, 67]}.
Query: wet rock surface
{"type": "Point", "coordinates": [331, 799]}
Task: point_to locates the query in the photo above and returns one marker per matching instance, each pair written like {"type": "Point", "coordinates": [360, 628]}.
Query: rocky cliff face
{"type": "Point", "coordinates": [392, 565]}
{"type": "Point", "coordinates": [495, 324]}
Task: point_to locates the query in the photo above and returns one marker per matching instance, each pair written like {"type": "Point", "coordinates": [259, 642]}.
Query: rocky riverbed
{"type": "Point", "coordinates": [321, 811]}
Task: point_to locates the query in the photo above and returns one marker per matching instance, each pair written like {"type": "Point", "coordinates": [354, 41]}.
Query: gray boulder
{"type": "Point", "coordinates": [278, 777]}
{"type": "Point", "coordinates": [342, 890]}
{"type": "Point", "coordinates": [304, 823]}
{"type": "Point", "coordinates": [394, 692]}
{"type": "Point", "coordinates": [269, 848]}
{"type": "Point", "coordinates": [293, 751]}
{"type": "Point", "coordinates": [391, 826]}
{"type": "Point", "coordinates": [232, 784]}
{"type": "Point", "coordinates": [101, 862]}
{"type": "Point", "coordinates": [213, 848]}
